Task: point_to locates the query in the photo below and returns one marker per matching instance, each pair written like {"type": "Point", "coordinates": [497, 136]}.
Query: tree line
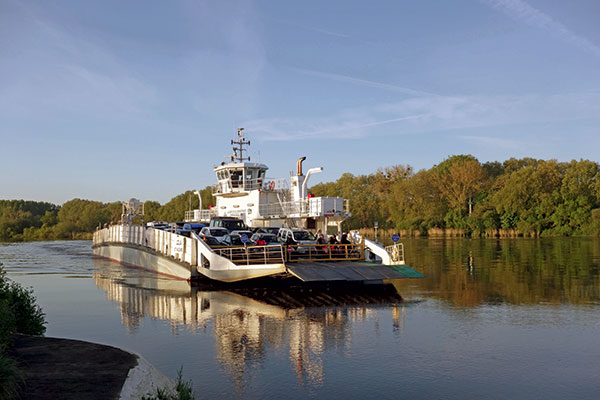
{"type": "Point", "coordinates": [459, 196]}
{"type": "Point", "coordinates": [79, 218]}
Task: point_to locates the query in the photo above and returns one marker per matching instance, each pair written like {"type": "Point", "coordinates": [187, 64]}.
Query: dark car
{"type": "Point", "coordinates": [187, 229]}
{"type": "Point", "coordinates": [211, 241]}
{"type": "Point", "coordinates": [232, 239]}
{"type": "Point", "coordinates": [193, 227]}
{"type": "Point", "coordinates": [229, 223]}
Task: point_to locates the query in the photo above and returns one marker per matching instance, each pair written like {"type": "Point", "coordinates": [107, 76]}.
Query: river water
{"type": "Point", "coordinates": [492, 319]}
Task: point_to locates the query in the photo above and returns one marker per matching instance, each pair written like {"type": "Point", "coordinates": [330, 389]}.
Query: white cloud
{"type": "Point", "coordinates": [522, 11]}
{"type": "Point", "coordinates": [434, 114]}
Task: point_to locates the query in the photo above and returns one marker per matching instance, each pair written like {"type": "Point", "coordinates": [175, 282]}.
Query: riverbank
{"type": "Point", "coordinates": [57, 368]}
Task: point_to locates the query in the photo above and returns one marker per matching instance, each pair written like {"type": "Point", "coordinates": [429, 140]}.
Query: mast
{"type": "Point", "coordinates": [241, 142]}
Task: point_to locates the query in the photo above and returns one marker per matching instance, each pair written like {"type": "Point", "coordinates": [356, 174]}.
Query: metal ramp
{"type": "Point", "coordinates": [315, 271]}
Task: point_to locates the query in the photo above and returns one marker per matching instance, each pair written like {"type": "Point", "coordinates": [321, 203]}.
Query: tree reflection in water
{"type": "Point", "coordinates": [514, 271]}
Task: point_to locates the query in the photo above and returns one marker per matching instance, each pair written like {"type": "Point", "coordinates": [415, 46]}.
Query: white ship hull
{"type": "Point", "coordinates": [144, 258]}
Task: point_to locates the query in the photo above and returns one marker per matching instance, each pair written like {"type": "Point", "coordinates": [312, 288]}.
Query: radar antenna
{"type": "Point", "coordinates": [238, 152]}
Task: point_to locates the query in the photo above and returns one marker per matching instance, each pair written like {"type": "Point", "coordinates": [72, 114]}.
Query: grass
{"type": "Point", "coordinates": [10, 377]}
{"type": "Point", "coordinates": [183, 391]}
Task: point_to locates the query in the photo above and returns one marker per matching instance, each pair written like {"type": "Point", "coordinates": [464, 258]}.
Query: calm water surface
{"type": "Point", "coordinates": [493, 318]}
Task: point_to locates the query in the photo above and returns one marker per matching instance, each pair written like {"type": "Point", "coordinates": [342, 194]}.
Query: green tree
{"type": "Point", "coordinates": [79, 215]}
{"type": "Point", "coordinates": [459, 179]}
{"type": "Point", "coordinates": [526, 198]}
{"type": "Point", "coordinates": [416, 204]}
{"type": "Point", "coordinates": [578, 198]}
{"type": "Point", "coordinates": [175, 209]}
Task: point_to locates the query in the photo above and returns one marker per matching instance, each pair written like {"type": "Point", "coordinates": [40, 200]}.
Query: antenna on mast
{"type": "Point", "coordinates": [238, 152]}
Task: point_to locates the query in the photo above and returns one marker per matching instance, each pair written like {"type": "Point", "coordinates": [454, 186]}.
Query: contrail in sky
{"type": "Point", "coordinates": [522, 11]}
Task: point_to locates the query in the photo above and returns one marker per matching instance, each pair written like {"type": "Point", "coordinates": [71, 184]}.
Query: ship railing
{"type": "Point", "coordinates": [325, 252]}
{"type": "Point", "coordinates": [284, 208]}
{"type": "Point", "coordinates": [396, 252]}
{"type": "Point", "coordinates": [247, 255]}
{"type": "Point", "coordinates": [199, 215]}
{"type": "Point", "coordinates": [272, 184]}
{"type": "Point", "coordinates": [228, 186]}
{"type": "Point", "coordinates": [389, 255]}
{"type": "Point", "coordinates": [313, 207]}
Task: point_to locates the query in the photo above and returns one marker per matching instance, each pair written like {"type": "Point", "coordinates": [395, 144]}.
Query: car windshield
{"type": "Point", "coordinates": [234, 225]}
{"type": "Point", "coordinates": [235, 240]}
{"type": "Point", "coordinates": [274, 231]}
{"type": "Point", "coordinates": [303, 235]}
{"type": "Point", "coordinates": [211, 241]}
{"type": "Point", "coordinates": [218, 232]}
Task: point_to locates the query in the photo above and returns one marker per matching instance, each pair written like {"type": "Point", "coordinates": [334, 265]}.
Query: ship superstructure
{"type": "Point", "coordinates": [245, 191]}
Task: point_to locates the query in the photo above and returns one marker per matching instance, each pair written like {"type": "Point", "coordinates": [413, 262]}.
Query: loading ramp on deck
{"type": "Point", "coordinates": [317, 271]}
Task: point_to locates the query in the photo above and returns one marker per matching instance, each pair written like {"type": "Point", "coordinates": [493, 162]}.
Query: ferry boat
{"type": "Point", "coordinates": [244, 191]}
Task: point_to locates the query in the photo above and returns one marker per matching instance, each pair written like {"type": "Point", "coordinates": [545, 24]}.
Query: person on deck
{"type": "Point", "coordinates": [332, 241]}
{"type": "Point", "coordinates": [345, 239]}
{"type": "Point", "coordinates": [322, 250]}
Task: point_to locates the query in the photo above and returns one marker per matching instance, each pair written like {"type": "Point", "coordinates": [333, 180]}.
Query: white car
{"type": "Point", "coordinates": [218, 233]}
{"type": "Point", "coordinates": [296, 236]}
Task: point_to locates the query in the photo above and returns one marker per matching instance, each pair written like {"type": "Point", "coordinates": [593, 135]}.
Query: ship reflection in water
{"type": "Point", "coordinates": [246, 323]}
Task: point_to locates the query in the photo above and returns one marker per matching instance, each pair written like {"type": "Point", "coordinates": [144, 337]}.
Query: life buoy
{"type": "Point", "coordinates": [272, 185]}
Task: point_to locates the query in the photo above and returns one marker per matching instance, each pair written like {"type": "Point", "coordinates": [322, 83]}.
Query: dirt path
{"type": "Point", "coordinates": [71, 369]}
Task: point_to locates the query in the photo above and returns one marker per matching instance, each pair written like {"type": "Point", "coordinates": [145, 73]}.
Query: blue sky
{"type": "Point", "coordinates": [110, 100]}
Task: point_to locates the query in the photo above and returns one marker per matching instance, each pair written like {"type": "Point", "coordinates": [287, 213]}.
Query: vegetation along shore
{"type": "Point", "coordinates": [458, 197]}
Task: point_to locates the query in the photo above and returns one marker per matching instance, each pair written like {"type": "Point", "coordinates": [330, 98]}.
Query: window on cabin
{"type": "Point", "coordinates": [236, 178]}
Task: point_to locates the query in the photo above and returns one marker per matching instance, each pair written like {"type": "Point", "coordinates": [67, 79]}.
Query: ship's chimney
{"type": "Point", "coordinates": [299, 166]}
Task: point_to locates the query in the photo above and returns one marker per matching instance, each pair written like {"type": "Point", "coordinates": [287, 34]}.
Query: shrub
{"type": "Point", "coordinates": [183, 391]}
{"type": "Point", "coordinates": [19, 312]}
